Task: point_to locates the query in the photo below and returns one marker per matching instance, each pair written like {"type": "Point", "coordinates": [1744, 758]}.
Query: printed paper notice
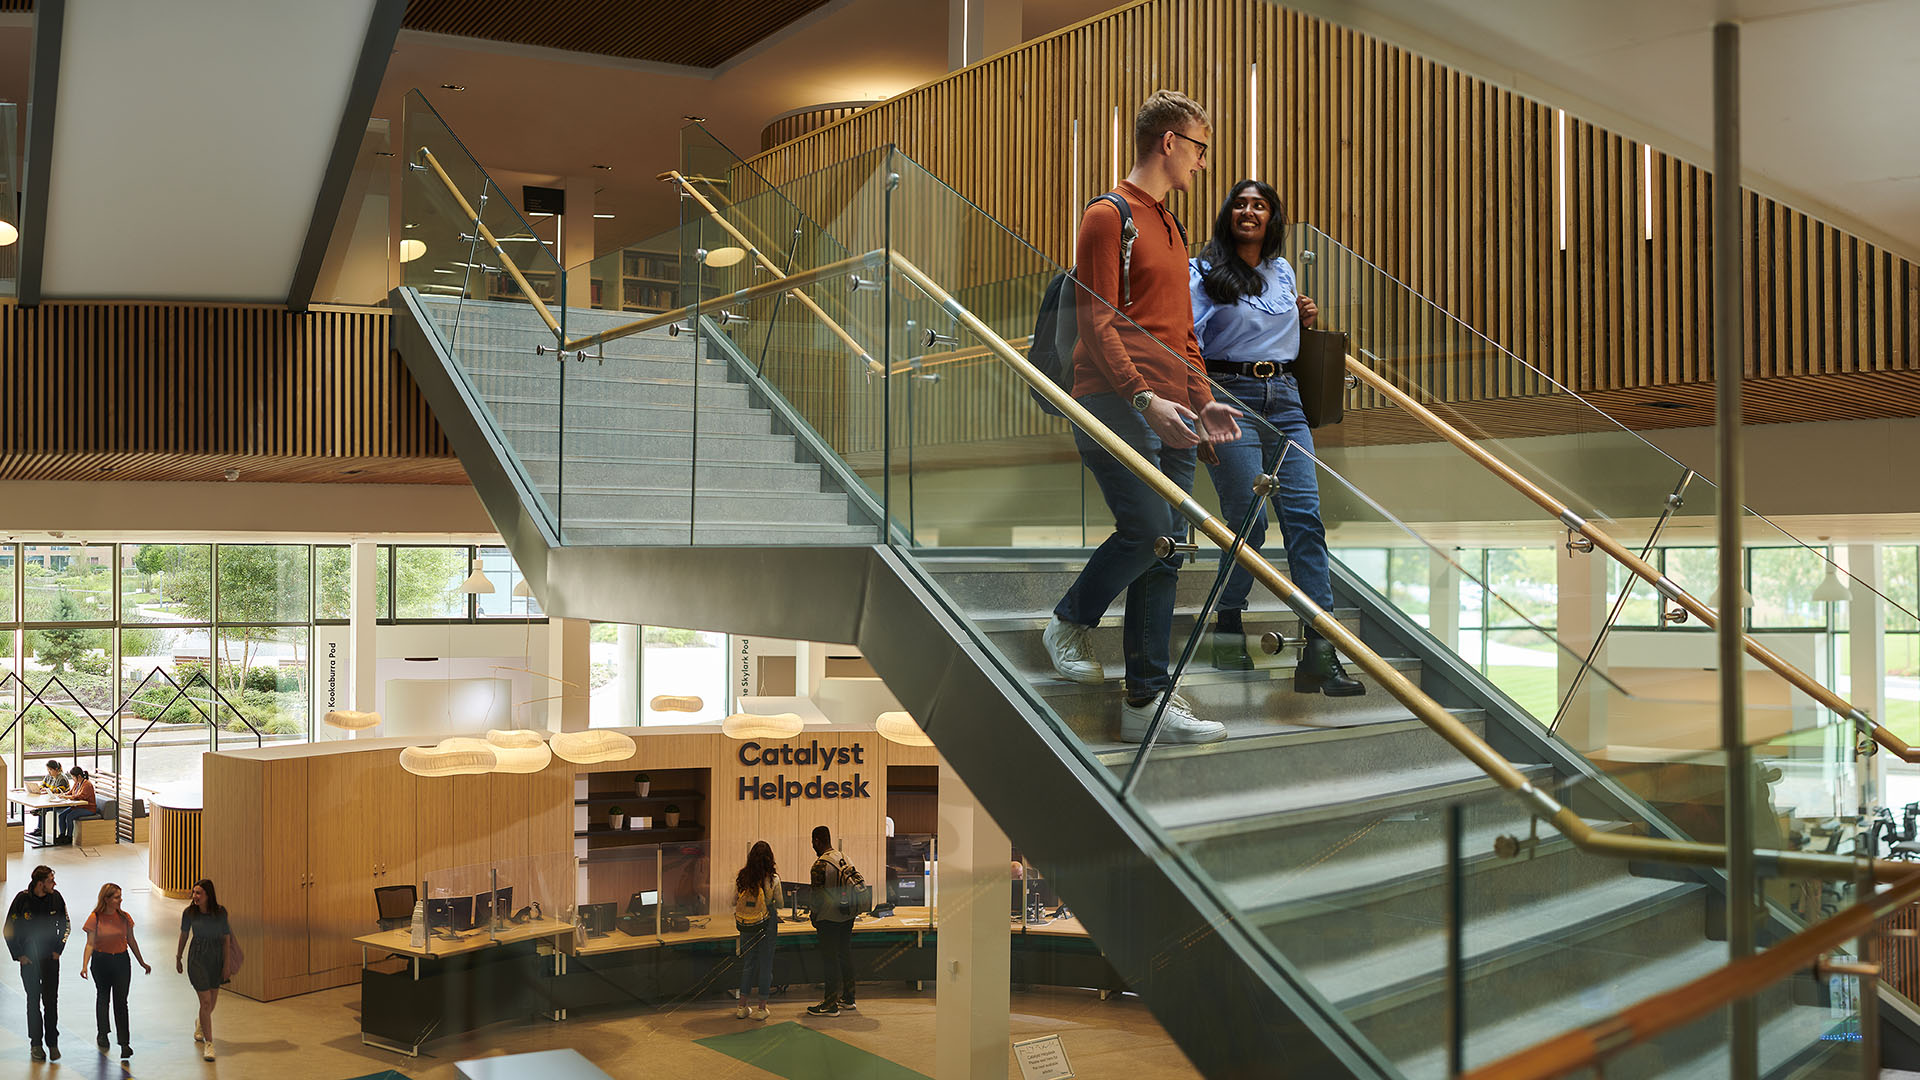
{"type": "Point", "coordinates": [1042, 1059]}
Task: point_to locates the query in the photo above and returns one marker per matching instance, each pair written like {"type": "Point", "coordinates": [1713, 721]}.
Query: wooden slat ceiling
{"type": "Point", "coordinates": [695, 33]}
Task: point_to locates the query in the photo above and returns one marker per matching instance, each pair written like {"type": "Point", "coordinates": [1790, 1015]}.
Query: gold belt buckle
{"type": "Point", "coordinates": [1263, 369]}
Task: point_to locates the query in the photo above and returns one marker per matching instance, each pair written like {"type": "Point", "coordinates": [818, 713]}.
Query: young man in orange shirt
{"type": "Point", "coordinates": [1138, 369]}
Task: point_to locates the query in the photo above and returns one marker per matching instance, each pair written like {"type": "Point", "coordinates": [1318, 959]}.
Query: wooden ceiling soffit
{"type": "Point", "coordinates": [252, 468]}
{"type": "Point", "coordinates": [702, 35]}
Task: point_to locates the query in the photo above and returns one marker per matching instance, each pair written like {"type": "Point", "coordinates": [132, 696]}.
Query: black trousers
{"type": "Point", "coordinates": [41, 978]}
{"type": "Point", "coordinates": [836, 959]}
{"type": "Point", "coordinates": [112, 974]}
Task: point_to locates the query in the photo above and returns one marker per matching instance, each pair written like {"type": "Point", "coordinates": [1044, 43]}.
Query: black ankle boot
{"type": "Point", "coordinates": [1230, 650]}
{"type": "Point", "coordinates": [1319, 671]}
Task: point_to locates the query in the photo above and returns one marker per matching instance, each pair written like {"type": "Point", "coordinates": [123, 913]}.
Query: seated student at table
{"type": "Point", "coordinates": [55, 782]}
{"type": "Point", "coordinates": [83, 793]}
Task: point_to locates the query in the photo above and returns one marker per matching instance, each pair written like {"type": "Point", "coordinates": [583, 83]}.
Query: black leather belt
{"type": "Point", "coordinates": [1259, 369]}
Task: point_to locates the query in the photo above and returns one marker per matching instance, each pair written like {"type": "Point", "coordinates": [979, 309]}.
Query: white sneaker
{"type": "Point", "coordinates": [1071, 650]}
{"type": "Point", "coordinates": [760, 1013]}
{"type": "Point", "coordinates": [740, 1012]}
{"type": "Point", "coordinates": [1178, 725]}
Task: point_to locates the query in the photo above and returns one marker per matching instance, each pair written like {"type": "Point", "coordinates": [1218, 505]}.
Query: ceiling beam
{"type": "Point", "coordinates": [49, 25]}
{"type": "Point", "coordinates": [382, 29]}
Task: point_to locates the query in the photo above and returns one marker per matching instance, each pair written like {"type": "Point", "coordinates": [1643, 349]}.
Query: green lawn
{"type": "Point", "coordinates": [1535, 689]}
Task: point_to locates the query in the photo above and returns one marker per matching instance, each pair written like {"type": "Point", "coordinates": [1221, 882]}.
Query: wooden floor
{"type": "Point", "coordinates": [317, 1035]}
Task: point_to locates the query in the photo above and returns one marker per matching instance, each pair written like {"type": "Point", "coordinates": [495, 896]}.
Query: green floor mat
{"type": "Point", "coordinates": [798, 1052]}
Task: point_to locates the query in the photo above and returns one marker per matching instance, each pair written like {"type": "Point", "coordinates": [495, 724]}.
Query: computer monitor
{"type": "Point", "coordinates": [450, 912]}
{"type": "Point", "coordinates": [642, 901]}
{"type": "Point", "coordinates": [794, 896]}
{"type": "Point", "coordinates": [500, 910]}
{"type": "Point", "coordinates": [908, 890]}
{"type": "Point", "coordinates": [597, 918]}
{"type": "Point", "coordinates": [393, 905]}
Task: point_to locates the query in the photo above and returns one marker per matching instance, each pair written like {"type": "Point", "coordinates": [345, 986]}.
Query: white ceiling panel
{"type": "Point", "coordinates": [1825, 88]}
{"type": "Point", "coordinates": [190, 140]}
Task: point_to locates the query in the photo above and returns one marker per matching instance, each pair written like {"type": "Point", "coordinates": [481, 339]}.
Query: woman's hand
{"type": "Point", "coordinates": [1308, 309]}
{"type": "Point", "coordinates": [178, 966]}
{"type": "Point", "coordinates": [148, 968]}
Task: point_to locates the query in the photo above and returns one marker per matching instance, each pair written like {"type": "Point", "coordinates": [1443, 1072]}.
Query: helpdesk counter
{"type": "Point", "coordinates": [616, 968]}
{"type": "Point", "coordinates": [541, 969]}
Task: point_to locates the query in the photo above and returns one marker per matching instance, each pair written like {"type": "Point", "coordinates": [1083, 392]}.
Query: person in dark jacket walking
{"type": "Point", "coordinates": [36, 932]}
{"type": "Point", "coordinates": [834, 879]}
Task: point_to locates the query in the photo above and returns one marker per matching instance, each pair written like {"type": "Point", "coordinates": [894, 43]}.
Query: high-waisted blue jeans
{"type": "Point", "coordinates": [756, 955]}
{"type": "Point", "coordinates": [1296, 495]}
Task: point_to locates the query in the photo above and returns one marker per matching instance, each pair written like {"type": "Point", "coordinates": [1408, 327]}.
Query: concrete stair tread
{"type": "Point", "coordinates": [1781, 1035]}
{"type": "Point", "coordinates": [1260, 736]}
{"type": "Point", "coordinates": [1213, 814]}
{"type": "Point", "coordinates": [603, 403]}
{"type": "Point", "coordinates": [1052, 685]}
{"type": "Point", "coordinates": [582, 429]}
{"type": "Point", "coordinates": [1007, 622]}
{"type": "Point", "coordinates": [1278, 895]}
{"type": "Point", "coordinates": [1251, 732]}
{"type": "Point", "coordinates": [1415, 961]}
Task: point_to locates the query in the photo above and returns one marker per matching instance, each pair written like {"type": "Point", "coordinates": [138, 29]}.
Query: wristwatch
{"type": "Point", "coordinates": [1142, 400]}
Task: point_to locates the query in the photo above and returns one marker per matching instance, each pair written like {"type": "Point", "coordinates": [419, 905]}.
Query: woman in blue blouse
{"type": "Point", "coordinates": [1247, 317]}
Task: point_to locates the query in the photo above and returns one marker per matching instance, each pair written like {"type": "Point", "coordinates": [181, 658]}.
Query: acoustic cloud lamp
{"type": "Point", "coordinates": [412, 249]}
{"type": "Point", "coordinates": [723, 257]}
{"type": "Point", "coordinates": [450, 757]}
{"type": "Point", "coordinates": [8, 234]}
{"type": "Point", "coordinates": [593, 746]}
{"type": "Point", "coordinates": [519, 751]}
{"type": "Point", "coordinates": [900, 727]}
{"type": "Point", "coordinates": [349, 720]}
{"type": "Point", "coordinates": [756, 726]}
{"type": "Point", "coordinates": [477, 582]}
{"type": "Point", "coordinates": [676, 703]}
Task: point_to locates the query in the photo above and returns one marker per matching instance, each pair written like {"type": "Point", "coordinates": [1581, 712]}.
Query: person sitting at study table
{"type": "Point", "coordinates": [89, 806]}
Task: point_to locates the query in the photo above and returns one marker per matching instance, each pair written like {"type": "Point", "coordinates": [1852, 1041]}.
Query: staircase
{"type": "Point", "coordinates": [662, 446]}
{"type": "Point", "coordinates": [1279, 898]}
{"type": "Point", "coordinates": [1322, 821]}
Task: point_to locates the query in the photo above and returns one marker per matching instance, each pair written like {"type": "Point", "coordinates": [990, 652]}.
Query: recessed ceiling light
{"type": "Point", "coordinates": [604, 168]}
{"type": "Point", "coordinates": [694, 119]}
{"type": "Point", "coordinates": [1668, 405]}
{"type": "Point", "coordinates": [350, 472]}
{"type": "Point", "coordinates": [413, 225]}
{"type": "Point", "coordinates": [455, 87]}
{"type": "Point", "coordinates": [441, 270]}
{"type": "Point", "coordinates": [108, 468]}
{"type": "Point", "coordinates": [604, 217]}
{"type": "Point", "coordinates": [383, 153]}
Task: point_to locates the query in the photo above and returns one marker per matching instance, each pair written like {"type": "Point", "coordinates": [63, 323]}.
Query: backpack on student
{"type": "Point", "coordinates": [1057, 329]}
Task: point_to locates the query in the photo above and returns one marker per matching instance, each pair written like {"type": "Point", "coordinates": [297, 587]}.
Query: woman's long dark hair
{"type": "Point", "coordinates": [759, 870]}
{"type": "Point", "coordinates": [213, 900]}
{"type": "Point", "coordinates": [1228, 277]}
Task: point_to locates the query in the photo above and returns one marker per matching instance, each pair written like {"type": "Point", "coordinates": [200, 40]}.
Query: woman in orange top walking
{"type": "Point", "coordinates": [109, 937]}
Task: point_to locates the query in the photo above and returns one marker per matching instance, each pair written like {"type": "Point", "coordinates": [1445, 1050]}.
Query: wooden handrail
{"type": "Point", "coordinates": [480, 228]}
{"type": "Point", "coordinates": [1800, 680]}
{"type": "Point", "coordinates": [767, 264]}
{"type": "Point", "coordinates": [1430, 712]}
{"type": "Point", "coordinates": [790, 282]}
{"type": "Point", "coordinates": [1649, 1019]}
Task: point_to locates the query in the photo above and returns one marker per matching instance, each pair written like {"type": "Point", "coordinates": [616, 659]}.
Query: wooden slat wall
{"type": "Point", "coordinates": [1441, 181]}
{"type": "Point", "coordinates": [155, 390]}
{"type": "Point", "coordinates": [794, 125]}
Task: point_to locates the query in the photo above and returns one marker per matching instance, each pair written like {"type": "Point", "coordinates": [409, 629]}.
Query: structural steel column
{"type": "Point", "coordinates": [1729, 367]}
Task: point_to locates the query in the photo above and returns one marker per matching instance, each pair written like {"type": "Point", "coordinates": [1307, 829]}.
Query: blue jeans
{"type": "Point", "coordinates": [1125, 561]}
{"type": "Point", "coordinates": [1296, 495]}
{"type": "Point", "coordinates": [756, 956]}
{"type": "Point", "coordinates": [71, 814]}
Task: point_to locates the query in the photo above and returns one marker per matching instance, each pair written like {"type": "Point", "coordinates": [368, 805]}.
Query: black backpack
{"type": "Point", "coordinates": [1057, 328]}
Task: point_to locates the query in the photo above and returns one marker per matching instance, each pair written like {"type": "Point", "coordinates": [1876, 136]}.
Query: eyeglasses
{"type": "Point", "coordinates": [1194, 141]}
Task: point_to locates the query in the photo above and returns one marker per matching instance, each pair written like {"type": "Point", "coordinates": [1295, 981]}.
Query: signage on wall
{"type": "Point", "coordinates": [1042, 1059]}
{"type": "Point", "coordinates": [332, 671]}
{"type": "Point", "coordinates": [821, 758]}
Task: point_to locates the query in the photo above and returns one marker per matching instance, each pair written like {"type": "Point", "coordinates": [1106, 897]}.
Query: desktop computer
{"type": "Point", "coordinates": [450, 913]}
{"type": "Point", "coordinates": [598, 919]}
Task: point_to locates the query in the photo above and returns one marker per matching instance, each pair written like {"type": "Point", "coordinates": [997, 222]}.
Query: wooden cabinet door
{"type": "Point", "coordinates": [339, 870]}
{"type": "Point", "coordinates": [284, 873]}
{"type": "Point", "coordinates": [452, 818]}
{"type": "Point", "coordinates": [393, 809]}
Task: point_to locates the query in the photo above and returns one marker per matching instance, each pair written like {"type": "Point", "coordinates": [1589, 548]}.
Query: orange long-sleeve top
{"type": "Point", "coordinates": [1149, 344]}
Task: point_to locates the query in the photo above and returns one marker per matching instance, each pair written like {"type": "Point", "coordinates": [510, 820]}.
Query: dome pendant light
{"type": "Point", "coordinates": [477, 582]}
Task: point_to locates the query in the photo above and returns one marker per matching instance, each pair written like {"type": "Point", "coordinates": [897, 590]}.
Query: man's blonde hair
{"type": "Point", "coordinates": [1166, 110]}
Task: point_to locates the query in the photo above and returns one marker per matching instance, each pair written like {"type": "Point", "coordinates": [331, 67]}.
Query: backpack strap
{"type": "Point", "coordinates": [1128, 233]}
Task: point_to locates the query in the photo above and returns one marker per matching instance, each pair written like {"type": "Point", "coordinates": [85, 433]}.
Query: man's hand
{"type": "Point", "coordinates": [148, 968]}
{"type": "Point", "coordinates": [1308, 309]}
{"type": "Point", "coordinates": [83, 971]}
{"type": "Point", "coordinates": [1217, 420]}
{"type": "Point", "coordinates": [1168, 419]}
{"type": "Point", "coordinates": [25, 960]}
{"type": "Point", "coordinates": [178, 966]}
